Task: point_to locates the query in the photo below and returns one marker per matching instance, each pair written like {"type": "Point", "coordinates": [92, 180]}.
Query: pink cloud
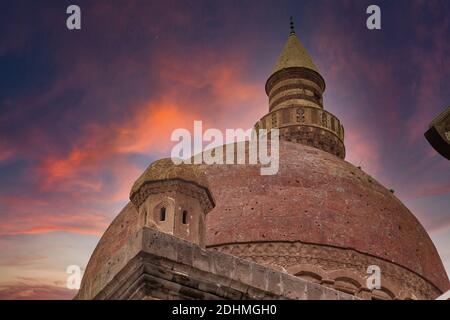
{"type": "Point", "coordinates": [34, 291]}
{"type": "Point", "coordinates": [56, 216]}
{"type": "Point", "coordinates": [77, 177]}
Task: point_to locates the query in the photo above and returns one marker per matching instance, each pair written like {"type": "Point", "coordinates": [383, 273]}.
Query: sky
{"type": "Point", "coordinates": [83, 113]}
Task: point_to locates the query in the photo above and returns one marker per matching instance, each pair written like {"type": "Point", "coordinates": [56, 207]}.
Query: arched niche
{"type": "Point", "coordinates": [162, 213]}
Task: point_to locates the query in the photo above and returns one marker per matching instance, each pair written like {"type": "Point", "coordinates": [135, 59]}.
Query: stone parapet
{"type": "Point", "coordinates": [155, 265]}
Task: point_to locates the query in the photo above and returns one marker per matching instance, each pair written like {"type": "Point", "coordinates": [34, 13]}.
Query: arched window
{"type": "Point", "coordinates": [347, 285]}
{"type": "Point", "coordinates": [309, 276]}
{"type": "Point", "coordinates": [162, 214]}
{"type": "Point", "coordinates": [184, 217]}
{"type": "Point", "coordinates": [382, 294]}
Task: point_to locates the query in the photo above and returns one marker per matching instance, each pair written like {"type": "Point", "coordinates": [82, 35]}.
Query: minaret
{"type": "Point", "coordinates": [295, 90]}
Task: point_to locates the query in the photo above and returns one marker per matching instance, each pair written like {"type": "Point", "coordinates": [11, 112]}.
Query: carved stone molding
{"type": "Point", "coordinates": [342, 269]}
{"type": "Point", "coordinates": [175, 185]}
{"type": "Point", "coordinates": [294, 73]}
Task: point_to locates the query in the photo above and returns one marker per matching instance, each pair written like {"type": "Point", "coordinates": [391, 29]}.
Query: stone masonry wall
{"type": "Point", "coordinates": [155, 265]}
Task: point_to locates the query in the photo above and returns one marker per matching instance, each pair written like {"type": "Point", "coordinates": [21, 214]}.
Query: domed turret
{"type": "Point", "coordinates": [173, 199]}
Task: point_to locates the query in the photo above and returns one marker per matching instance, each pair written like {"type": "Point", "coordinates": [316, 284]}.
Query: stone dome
{"type": "Point", "coordinates": [165, 169]}
{"type": "Point", "coordinates": [318, 207]}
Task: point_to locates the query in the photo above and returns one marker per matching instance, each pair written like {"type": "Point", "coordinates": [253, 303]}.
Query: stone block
{"type": "Point", "coordinates": [243, 271]}
{"type": "Point", "coordinates": [223, 265]}
{"type": "Point", "coordinates": [293, 288]}
{"type": "Point", "coordinates": [201, 259]}
{"type": "Point", "coordinates": [255, 294]}
{"type": "Point", "coordinates": [229, 293]}
{"type": "Point", "coordinates": [274, 284]}
{"type": "Point", "coordinates": [238, 285]}
{"type": "Point", "coordinates": [185, 252]}
{"type": "Point", "coordinates": [314, 292]}
{"type": "Point", "coordinates": [259, 277]}
{"type": "Point", "coordinates": [160, 244]}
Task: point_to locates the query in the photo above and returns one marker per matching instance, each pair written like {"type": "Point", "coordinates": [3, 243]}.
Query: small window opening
{"type": "Point", "coordinates": [185, 217]}
{"type": "Point", "coordinates": [162, 214]}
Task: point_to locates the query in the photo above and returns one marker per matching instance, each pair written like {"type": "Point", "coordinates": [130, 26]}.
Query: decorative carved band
{"type": "Point", "coordinates": [295, 73]}
{"type": "Point", "coordinates": [310, 116]}
{"type": "Point", "coordinates": [291, 86]}
{"type": "Point", "coordinates": [314, 137]}
{"type": "Point", "coordinates": [299, 96]}
{"type": "Point", "coordinates": [331, 264]}
{"type": "Point", "coordinates": [174, 185]}
{"type": "Point", "coordinates": [307, 125]}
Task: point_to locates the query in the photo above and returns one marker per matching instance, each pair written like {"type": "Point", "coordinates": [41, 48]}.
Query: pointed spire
{"type": "Point", "coordinates": [295, 91]}
{"type": "Point", "coordinates": [292, 25]}
{"type": "Point", "coordinates": [294, 54]}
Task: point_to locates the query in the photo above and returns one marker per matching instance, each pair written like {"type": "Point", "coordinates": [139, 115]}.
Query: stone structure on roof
{"type": "Point", "coordinates": [438, 133]}
{"type": "Point", "coordinates": [309, 232]}
{"type": "Point", "coordinates": [173, 199]}
{"type": "Point", "coordinates": [295, 90]}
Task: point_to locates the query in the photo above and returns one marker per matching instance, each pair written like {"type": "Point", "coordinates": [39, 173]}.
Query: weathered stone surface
{"type": "Point", "coordinates": [152, 273]}
{"type": "Point", "coordinates": [316, 207]}
{"type": "Point", "coordinates": [296, 291]}
{"type": "Point", "coordinates": [165, 169]}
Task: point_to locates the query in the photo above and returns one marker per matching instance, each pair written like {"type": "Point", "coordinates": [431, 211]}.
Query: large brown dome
{"type": "Point", "coordinates": [318, 215]}
{"type": "Point", "coordinates": [321, 201]}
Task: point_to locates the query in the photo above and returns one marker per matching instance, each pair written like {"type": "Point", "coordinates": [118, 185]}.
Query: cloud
{"type": "Point", "coordinates": [430, 190]}
{"type": "Point", "coordinates": [97, 168]}
{"type": "Point", "coordinates": [429, 56]}
{"type": "Point", "coordinates": [7, 151]}
{"type": "Point", "coordinates": [77, 221]}
{"type": "Point", "coordinates": [39, 213]}
{"type": "Point", "coordinates": [22, 260]}
{"type": "Point", "coordinates": [21, 290]}
{"type": "Point", "coordinates": [147, 131]}
{"type": "Point", "coordinates": [197, 91]}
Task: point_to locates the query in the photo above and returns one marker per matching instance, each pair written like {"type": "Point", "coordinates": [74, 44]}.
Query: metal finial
{"type": "Point", "coordinates": [292, 25]}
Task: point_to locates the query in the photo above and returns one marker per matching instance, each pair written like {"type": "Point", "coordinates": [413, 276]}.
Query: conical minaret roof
{"type": "Point", "coordinates": [295, 91]}
{"type": "Point", "coordinates": [294, 54]}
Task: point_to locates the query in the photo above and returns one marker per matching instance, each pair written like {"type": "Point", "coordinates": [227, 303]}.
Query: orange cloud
{"type": "Point", "coordinates": [148, 129]}
{"type": "Point", "coordinates": [21, 290]}
{"type": "Point", "coordinates": [200, 90]}
{"type": "Point", "coordinates": [55, 228]}
{"type": "Point", "coordinates": [54, 218]}
{"type": "Point", "coordinates": [430, 190]}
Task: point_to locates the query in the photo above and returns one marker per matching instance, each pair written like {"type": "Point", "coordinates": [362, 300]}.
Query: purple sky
{"type": "Point", "coordinates": [82, 113]}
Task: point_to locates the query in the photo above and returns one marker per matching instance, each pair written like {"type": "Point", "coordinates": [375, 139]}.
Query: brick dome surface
{"type": "Point", "coordinates": [321, 199]}
{"type": "Point", "coordinates": [316, 198]}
